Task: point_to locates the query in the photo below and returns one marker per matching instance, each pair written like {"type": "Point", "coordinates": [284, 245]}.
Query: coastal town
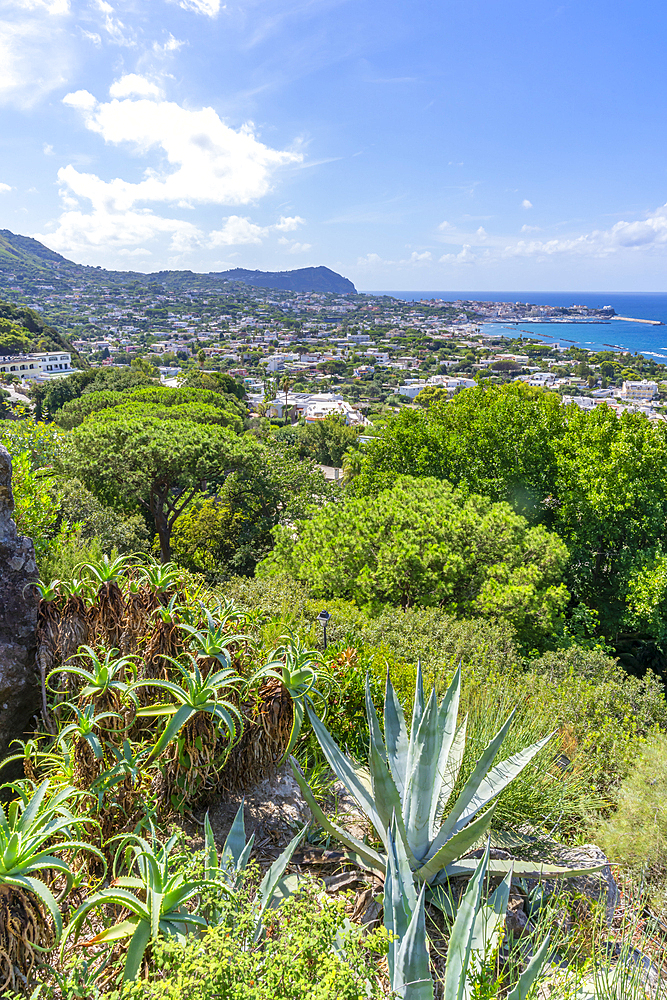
{"type": "Point", "coordinates": [308, 354]}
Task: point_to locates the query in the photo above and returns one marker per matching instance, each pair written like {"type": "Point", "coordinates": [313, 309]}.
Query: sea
{"type": "Point", "coordinates": [639, 338]}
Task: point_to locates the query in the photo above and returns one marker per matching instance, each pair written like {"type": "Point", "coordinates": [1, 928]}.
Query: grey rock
{"type": "Point", "coordinates": [19, 684]}
{"type": "Point", "coordinates": [274, 809]}
{"type": "Point", "coordinates": [598, 886]}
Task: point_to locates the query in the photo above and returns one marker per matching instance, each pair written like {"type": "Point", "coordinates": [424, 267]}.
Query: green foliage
{"type": "Point", "coordinates": [22, 329]}
{"type": "Point", "coordinates": [36, 504]}
{"type": "Point", "coordinates": [635, 834]}
{"type": "Point", "coordinates": [496, 441]}
{"type": "Point", "coordinates": [229, 531]}
{"type": "Point", "coordinates": [431, 394]}
{"type": "Point", "coordinates": [214, 406]}
{"type": "Point", "coordinates": [89, 520]}
{"type": "Point", "coordinates": [50, 396]}
{"type": "Point", "coordinates": [42, 442]}
{"type": "Point", "coordinates": [423, 543]}
{"type": "Point", "coordinates": [137, 460]}
{"type": "Point", "coordinates": [296, 960]}
{"type": "Point", "coordinates": [14, 339]}
{"type": "Point", "coordinates": [324, 441]}
{"type": "Point", "coordinates": [213, 381]}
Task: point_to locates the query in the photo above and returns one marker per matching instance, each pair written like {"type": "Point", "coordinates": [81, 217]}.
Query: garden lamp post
{"type": "Point", "coordinates": [323, 618]}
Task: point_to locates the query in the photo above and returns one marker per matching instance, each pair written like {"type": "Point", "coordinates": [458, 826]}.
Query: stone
{"type": "Point", "coordinates": [598, 886]}
{"type": "Point", "coordinates": [19, 681]}
{"type": "Point", "coordinates": [274, 810]}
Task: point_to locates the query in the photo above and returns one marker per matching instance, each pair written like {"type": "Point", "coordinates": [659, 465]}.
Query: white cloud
{"type": "Point", "coordinates": [526, 204]}
{"type": "Point", "coordinates": [372, 260]}
{"type": "Point", "coordinates": [237, 229]}
{"type": "Point", "coordinates": [466, 256]}
{"type": "Point", "coordinates": [134, 85]}
{"type": "Point", "coordinates": [530, 229]}
{"type": "Point", "coordinates": [48, 149]}
{"type": "Point", "coordinates": [171, 45]}
{"type": "Point", "coordinates": [208, 160]}
{"type": "Point", "coordinates": [444, 226]}
{"type": "Point", "coordinates": [113, 26]}
{"type": "Point", "coordinates": [293, 246]}
{"type": "Point", "coordinates": [287, 224]}
{"type": "Point", "coordinates": [4, 188]}
{"type": "Point", "coordinates": [209, 7]}
{"type": "Point", "coordinates": [138, 252]}
{"type": "Point", "coordinates": [36, 53]}
{"type": "Point", "coordinates": [196, 159]}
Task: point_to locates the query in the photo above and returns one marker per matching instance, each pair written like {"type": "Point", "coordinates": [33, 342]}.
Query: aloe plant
{"type": "Point", "coordinates": [32, 828]}
{"type": "Point", "coordinates": [412, 779]}
{"type": "Point", "coordinates": [155, 897]}
{"type": "Point", "coordinates": [195, 694]}
{"type": "Point", "coordinates": [299, 670]}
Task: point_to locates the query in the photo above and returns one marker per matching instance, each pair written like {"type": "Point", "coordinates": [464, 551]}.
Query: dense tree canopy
{"type": "Point", "coordinates": [597, 479]}
{"type": "Point", "coordinates": [199, 404]}
{"type": "Point", "coordinates": [422, 542]}
{"type": "Point", "coordinates": [140, 460]}
{"type": "Point", "coordinates": [325, 441]}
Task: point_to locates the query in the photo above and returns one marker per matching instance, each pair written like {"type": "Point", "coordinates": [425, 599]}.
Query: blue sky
{"type": "Point", "coordinates": [459, 145]}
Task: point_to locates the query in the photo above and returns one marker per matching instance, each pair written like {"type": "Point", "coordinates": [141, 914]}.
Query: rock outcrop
{"type": "Point", "coordinates": [19, 684]}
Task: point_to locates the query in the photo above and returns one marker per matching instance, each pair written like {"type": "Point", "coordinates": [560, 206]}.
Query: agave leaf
{"type": "Point", "coordinates": [460, 941]}
{"type": "Point", "coordinates": [400, 898]}
{"type": "Point", "coordinates": [471, 787]}
{"type": "Point", "coordinates": [366, 855]}
{"type": "Point", "coordinates": [525, 869]}
{"type": "Point", "coordinates": [530, 973]}
{"type": "Point", "coordinates": [499, 778]}
{"type": "Point", "coordinates": [417, 713]}
{"type": "Point", "coordinates": [455, 846]}
{"type": "Point", "coordinates": [344, 769]}
{"type": "Point", "coordinates": [396, 738]}
{"type": "Point", "coordinates": [235, 841]}
{"type": "Point", "coordinates": [386, 797]}
{"type": "Point", "coordinates": [489, 923]}
{"type": "Point", "coordinates": [373, 721]}
{"type": "Point", "coordinates": [447, 717]}
{"type": "Point", "coordinates": [268, 884]}
{"type": "Point", "coordinates": [422, 779]}
{"type": "Point", "coordinates": [449, 778]}
{"type": "Point", "coordinates": [412, 973]}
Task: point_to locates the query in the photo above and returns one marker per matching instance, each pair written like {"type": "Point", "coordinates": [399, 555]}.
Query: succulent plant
{"type": "Point", "coordinates": [410, 780]}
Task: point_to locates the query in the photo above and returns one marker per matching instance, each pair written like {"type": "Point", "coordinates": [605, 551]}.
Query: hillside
{"type": "Point", "coordinates": [304, 279]}
{"type": "Point", "coordinates": [25, 260]}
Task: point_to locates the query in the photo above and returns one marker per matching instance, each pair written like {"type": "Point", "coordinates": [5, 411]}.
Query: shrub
{"type": "Point", "coordinates": [296, 959]}
{"type": "Point", "coordinates": [636, 833]}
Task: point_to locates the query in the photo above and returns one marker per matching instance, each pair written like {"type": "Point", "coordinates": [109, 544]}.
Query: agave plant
{"type": "Point", "coordinates": [155, 897]}
{"type": "Point", "coordinates": [32, 828]}
{"type": "Point", "coordinates": [476, 933]}
{"type": "Point", "coordinates": [299, 669]}
{"type": "Point", "coordinates": [412, 779]}
{"type": "Point", "coordinates": [196, 694]}
{"type": "Point", "coordinates": [228, 869]}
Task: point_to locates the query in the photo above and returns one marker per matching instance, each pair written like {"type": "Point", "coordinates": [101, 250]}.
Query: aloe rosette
{"type": "Point", "coordinates": [410, 780]}
{"type": "Point", "coordinates": [31, 829]}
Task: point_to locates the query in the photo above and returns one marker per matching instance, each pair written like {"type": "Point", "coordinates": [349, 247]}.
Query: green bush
{"type": "Point", "coordinates": [295, 960]}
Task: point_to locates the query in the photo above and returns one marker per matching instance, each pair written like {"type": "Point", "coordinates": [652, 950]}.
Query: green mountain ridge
{"type": "Point", "coordinates": [28, 259]}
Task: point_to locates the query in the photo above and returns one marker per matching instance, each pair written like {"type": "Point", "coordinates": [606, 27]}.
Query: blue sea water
{"type": "Point", "coordinates": [633, 337]}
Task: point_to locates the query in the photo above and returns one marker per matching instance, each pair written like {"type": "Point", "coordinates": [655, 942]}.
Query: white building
{"type": "Point", "coordinates": [315, 406]}
{"type": "Point", "coordinates": [41, 367]}
{"type": "Point", "coordinates": [643, 390]}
